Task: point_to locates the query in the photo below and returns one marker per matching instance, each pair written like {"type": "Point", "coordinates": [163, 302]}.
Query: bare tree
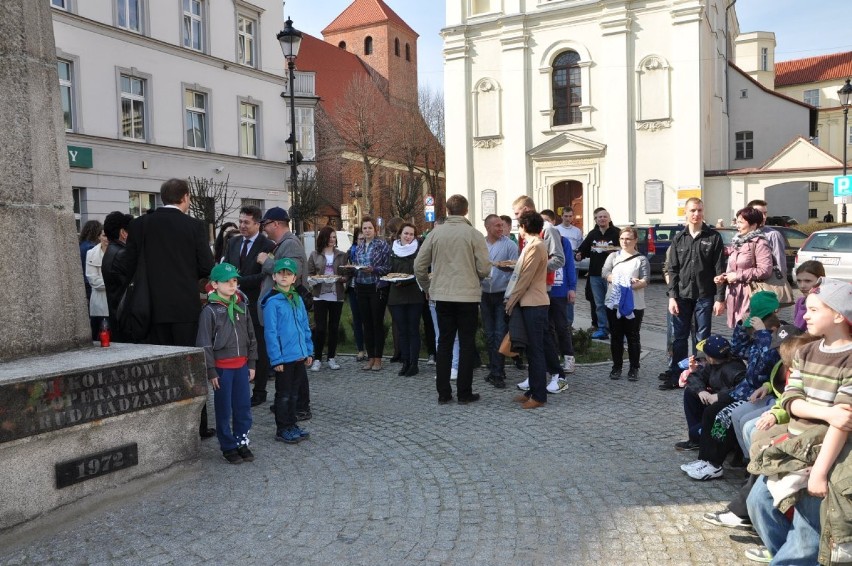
{"type": "Point", "coordinates": [406, 198]}
{"type": "Point", "coordinates": [211, 200]}
{"type": "Point", "coordinates": [308, 197]}
{"type": "Point", "coordinates": [433, 163]}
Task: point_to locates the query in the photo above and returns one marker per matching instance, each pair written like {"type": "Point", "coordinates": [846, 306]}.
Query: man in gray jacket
{"type": "Point", "coordinates": [458, 256]}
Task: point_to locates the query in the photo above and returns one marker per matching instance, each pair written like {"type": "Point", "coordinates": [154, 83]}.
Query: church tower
{"type": "Point", "coordinates": [383, 41]}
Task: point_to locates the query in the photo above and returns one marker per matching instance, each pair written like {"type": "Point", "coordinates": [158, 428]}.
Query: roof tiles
{"type": "Point", "coordinates": [363, 13]}
{"type": "Point", "coordinates": [813, 69]}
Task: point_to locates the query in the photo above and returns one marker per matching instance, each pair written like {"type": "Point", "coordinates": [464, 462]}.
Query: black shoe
{"type": "Point", "coordinates": [472, 398]}
{"type": "Point", "coordinates": [395, 359]}
{"type": "Point", "coordinates": [519, 363]}
{"type": "Point", "coordinates": [615, 373]}
{"type": "Point", "coordinates": [444, 400]}
{"type": "Point", "coordinates": [665, 376]}
{"type": "Point", "coordinates": [667, 386]}
{"type": "Point", "coordinates": [245, 453]}
{"type": "Point", "coordinates": [258, 398]}
{"type": "Point", "coordinates": [686, 445]}
{"type": "Point", "coordinates": [209, 433]}
{"type": "Point", "coordinates": [633, 374]}
{"type": "Point", "coordinates": [303, 416]}
{"type": "Point", "coordinates": [497, 381]}
{"type": "Point", "coordinates": [404, 369]}
{"type": "Point", "coordinates": [412, 370]}
{"type": "Point", "coordinates": [232, 456]}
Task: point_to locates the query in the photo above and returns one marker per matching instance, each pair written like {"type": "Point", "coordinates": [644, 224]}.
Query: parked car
{"type": "Point", "coordinates": [793, 240]}
{"type": "Point", "coordinates": [832, 247]}
{"type": "Point", "coordinates": [654, 242]}
{"type": "Point", "coordinates": [781, 221]}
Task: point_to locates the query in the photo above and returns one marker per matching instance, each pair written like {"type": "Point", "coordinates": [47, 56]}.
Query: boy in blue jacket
{"type": "Point", "coordinates": [289, 345]}
{"type": "Point", "coordinates": [226, 333]}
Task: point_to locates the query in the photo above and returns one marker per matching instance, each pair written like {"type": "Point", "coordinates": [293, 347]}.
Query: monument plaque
{"type": "Point", "coordinates": [96, 465]}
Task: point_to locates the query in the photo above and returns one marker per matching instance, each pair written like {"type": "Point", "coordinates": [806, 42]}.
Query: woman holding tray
{"type": "Point", "coordinates": [406, 298]}
{"type": "Point", "coordinates": [373, 262]}
{"type": "Point", "coordinates": [328, 289]}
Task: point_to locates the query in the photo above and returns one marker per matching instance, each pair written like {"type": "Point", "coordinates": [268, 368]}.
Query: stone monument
{"type": "Point", "coordinates": [75, 420]}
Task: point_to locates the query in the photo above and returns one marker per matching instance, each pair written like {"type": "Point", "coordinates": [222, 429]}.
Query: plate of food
{"type": "Point", "coordinates": [504, 263]}
{"type": "Point", "coordinates": [316, 279]}
{"type": "Point", "coordinates": [395, 277]}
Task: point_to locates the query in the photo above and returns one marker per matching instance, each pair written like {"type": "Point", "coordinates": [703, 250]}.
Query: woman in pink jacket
{"type": "Point", "coordinates": [750, 261]}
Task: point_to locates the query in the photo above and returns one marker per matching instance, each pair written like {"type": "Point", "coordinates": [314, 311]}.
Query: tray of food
{"type": "Point", "coordinates": [504, 263]}
{"type": "Point", "coordinates": [394, 277]}
{"type": "Point", "coordinates": [316, 279]}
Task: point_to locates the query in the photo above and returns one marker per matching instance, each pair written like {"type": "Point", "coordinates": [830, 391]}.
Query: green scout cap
{"type": "Point", "coordinates": [224, 272]}
{"type": "Point", "coordinates": [288, 264]}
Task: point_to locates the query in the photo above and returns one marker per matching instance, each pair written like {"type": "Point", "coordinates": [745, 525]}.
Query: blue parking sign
{"type": "Point", "coordinates": [430, 217]}
{"type": "Point", "coordinates": [843, 186]}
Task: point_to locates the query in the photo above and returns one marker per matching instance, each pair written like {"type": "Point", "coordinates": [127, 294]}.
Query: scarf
{"type": "Point", "coordinates": [404, 250]}
{"type": "Point", "coordinates": [292, 296]}
{"type": "Point", "coordinates": [231, 304]}
{"type": "Point", "coordinates": [738, 240]}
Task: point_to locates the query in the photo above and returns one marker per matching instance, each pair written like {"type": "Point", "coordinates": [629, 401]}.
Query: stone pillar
{"type": "Point", "coordinates": [43, 299]}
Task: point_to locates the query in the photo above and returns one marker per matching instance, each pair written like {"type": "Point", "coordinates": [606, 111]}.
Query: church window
{"type": "Point", "coordinates": [567, 89]}
{"type": "Point", "coordinates": [368, 45]}
{"type": "Point", "coordinates": [396, 47]}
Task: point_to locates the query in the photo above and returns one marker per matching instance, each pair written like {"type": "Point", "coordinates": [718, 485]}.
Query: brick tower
{"type": "Point", "coordinates": [382, 40]}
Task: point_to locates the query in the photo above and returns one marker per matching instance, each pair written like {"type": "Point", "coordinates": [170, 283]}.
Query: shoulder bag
{"type": "Point", "coordinates": [776, 283]}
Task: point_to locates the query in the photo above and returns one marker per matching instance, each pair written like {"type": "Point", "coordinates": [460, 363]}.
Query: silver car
{"type": "Point", "coordinates": [833, 248]}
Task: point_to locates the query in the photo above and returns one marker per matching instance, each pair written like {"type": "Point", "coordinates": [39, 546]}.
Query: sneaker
{"type": "Point", "coordinates": [524, 385]}
{"type": "Point", "coordinates": [615, 373]}
{"type": "Point", "coordinates": [633, 374]}
{"type": "Point", "coordinates": [430, 361]}
{"type": "Point", "coordinates": [759, 554]}
{"type": "Point", "coordinates": [600, 335]}
{"type": "Point", "coordinates": [332, 364]}
{"type": "Point", "coordinates": [562, 383]}
{"type": "Point", "coordinates": [497, 381]}
{"type": "Point", "coordinates": [706, 471]}
{"type": "Point", "coordinates": [665, 376]}
{"type": "Point", "coordinates": [690, 465]}
{"type": "Point", "coordinates": [232, 456]}
{"type": "Point", "coordinates": [245, 453]}
{"type": "Point", "coordinates": [303, 434]}
{"type": "Point", "coordinates": [570, 365]}
{"type": "Point", "coordinates": [553, 386]}
{"type": "Point", "coordinates": [289, 435]}
{"type": "Point", "coordinates": [686, 445]}
{"type": "Point", "coordinates": [472, 398]}
{"type": "Point", "coordinates": [727, 519]}
{"type": "Point", "coordinates": [304, 416]}
{"type": "Point", "coordinates": [316, 366]}
{"type": "Point", "coordinates": [454, 374]}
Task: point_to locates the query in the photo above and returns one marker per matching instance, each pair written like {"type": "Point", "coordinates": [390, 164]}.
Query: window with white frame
{"type": "Point", "coordinates": [305, 132]}
{"type": "Point", "coordinates": [193, 24]}
{"type": "Point", "coordinates": [252, 202]}
{"type": "Point", "coordinates": [59, 4]}
{"type": "Point", "coordinates": [813, 186]}
{"type": "Point", "coordinates": [248, 129]}
{"type": "Point", "coordinates": [196, 119]}
{"type": "Point", "coordinates": [812, 213]}
{"type": "Point", "coordinates": [141, 203]}
{"type": "Point", "coordinates": [246, 30]}
{"type": "Point", "coordinates": [132, 108]}
{"type": "Point", "coordinates": [764, 58]}
{"type": "Point", "coordinates": [66, 92]}
{"type": "Point", "coordinates": [744, 145]}
{"type": "Point", "coordinates": [812, 97]}
{"type": "Point", "coordinates": [128, 15]}
{"type": "Point", "coordinates": [567, 89]}
{"type": "Point", "coordinates": [77, 196]}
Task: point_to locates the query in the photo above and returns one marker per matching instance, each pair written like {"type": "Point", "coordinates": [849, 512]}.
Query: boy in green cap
{"type": "Point", "coordinates": [289, 345]}
{"type": "Point", "coordinates": [230, 351]}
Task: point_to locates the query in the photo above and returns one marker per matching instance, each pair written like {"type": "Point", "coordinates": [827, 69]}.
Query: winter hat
{"type": "Point", "coordinates": [761, 305]}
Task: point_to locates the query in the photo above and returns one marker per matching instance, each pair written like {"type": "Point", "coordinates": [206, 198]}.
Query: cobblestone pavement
{"type": "Point", "coordinates": [391, 477]}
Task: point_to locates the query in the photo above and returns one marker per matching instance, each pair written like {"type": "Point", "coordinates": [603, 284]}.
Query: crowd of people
{"type": "Point", "coordinates": [777, 396]}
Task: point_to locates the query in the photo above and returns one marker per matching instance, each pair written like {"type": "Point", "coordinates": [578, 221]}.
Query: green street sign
{"type": "Point", "coordinates": [80, 157]}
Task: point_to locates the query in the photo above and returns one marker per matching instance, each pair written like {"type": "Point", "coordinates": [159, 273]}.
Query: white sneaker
{"type": "Point", "coordinates": [570, 366]}
{"type": "Point", "coordinates": [706, 471]}
{"type": "Point", "coordinates": [727, 519]}
{"type": "Point", "coordinates": [430, 361]}
{"type": "Point", "coordinates": [563, 384]}
{"type": "Point", "coordinates": [553, 386]}
{"type": "Point", "coordinates": [524, 385]}
{"type": "Point", "coordinates": [690, 465]}
{"type": "Point", "coordinates": [332, 363]}
{"type": "Point", "coordinates": [316, 365]}
{"type": "Point", "coordinates": [454, 374]}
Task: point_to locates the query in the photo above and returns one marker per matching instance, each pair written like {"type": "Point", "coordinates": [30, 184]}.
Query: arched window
{"type": "Point", "coordinates": [567, 89]}
{"type": "Point", "coordinates": [407, 52]}
{"type": "Point", "coordinates": [368, 45]}
{"type": "Point", "coordinates": [396, 47]}
{"type": "Point", "coordinates": [342, 45]}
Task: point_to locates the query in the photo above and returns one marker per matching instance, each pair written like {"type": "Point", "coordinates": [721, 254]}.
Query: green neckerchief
{"type": "Point", "coordinates": [232, 304]}
{"type": "Point", "coordinates": [291, 295]}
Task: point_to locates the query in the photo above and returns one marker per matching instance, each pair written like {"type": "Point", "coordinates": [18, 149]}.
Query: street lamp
{"type": "Point", "coordinates": [845, 95]}
{"type": "Point", "coordinates": [291, 39]}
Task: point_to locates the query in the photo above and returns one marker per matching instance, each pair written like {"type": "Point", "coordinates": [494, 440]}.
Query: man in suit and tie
{"type": "Point", "coordinates": [243, 252]}
{"type": "Point", "coordinates": [177, 254]}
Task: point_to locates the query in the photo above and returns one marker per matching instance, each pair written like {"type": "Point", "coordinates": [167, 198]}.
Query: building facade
{"type": "Point", "coordinates": [179, 88]}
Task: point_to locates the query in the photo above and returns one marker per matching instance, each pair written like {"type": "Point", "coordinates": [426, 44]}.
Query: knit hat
{"type": "Point", "coordinates": [761, 305]}
{"type": "Point", "coordinates": [224, 272]}
{"type": "Point", "coordinates": [715, 346]}
{"type": "Point", "coordinates": [288, 264]}
{"type": "Point", "coordinates": [836, 294]}
{"type": "Point", "coordinates": [782, 333]}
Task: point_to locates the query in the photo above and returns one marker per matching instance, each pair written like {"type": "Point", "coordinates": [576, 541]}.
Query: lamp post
{"type": "Point", "coordinates": [845, 95]}
{"type": "Point", "coordinates": [291, 39]}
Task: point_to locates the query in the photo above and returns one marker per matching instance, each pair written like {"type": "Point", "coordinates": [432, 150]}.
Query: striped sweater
{"type": "Point", "coordinates": [819, 376]}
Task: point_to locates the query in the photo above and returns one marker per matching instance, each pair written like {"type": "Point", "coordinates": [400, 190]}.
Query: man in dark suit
{"type": "Point", "coordinates": [242, 252]}
{"type": "Point", "coordinates": [177, 255]}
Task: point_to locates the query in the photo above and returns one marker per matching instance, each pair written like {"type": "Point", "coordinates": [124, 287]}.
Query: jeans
{"type": "Point", "coordinates": [326, 324]}
{"type": "Point", "coordinates": [233, 402]}
{"type": "Point", "coordinates": [455, 362]}
{"type": "Point", "coordinates": [701, 311]}
{"type": "Point", "coordinates": [745, 413]}
{"type": "Point", "coordinates": [693, 409]}
{"type": "Point", "coordinates": [621, 328]}
{"type": "Point", "coordinates": [494, 326]}
{"type": "Point", "coordinates": [407, 318]}
{"type": "Point", "coordinates": [357, 325]}
{"type": "Point", "coordinates": [560, 325]}
{"type": "Point", "coordinates": [569, 313]}
{"type": "Point", "coordinates": [599, 292]}
{"type": "Point", "coordinates": [287, 386]}
{"type": "Point", "coordinates": [456, 318]}
{"type": "Point", "coordinates": [535, 323]}
{"type": "Point", "coordinates": [793, 543]}
{"type": "Point", "coordinates": [429, 329]}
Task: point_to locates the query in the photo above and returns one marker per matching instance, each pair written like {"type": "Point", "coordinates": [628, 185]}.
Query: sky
{"type": "Point", "coordinates": [802, 28]}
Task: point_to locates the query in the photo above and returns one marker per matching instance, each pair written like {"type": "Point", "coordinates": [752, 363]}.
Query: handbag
{"type": "Point", "coordinates": [506, 347]}
{"type": "Point", "coordinates": [134, 309]}
{"type": "Point", "coordinates": [775, 283]}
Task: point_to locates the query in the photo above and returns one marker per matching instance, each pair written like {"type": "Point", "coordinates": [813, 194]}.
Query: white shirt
{"type": "Point", "coordinates": [574, 235]}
